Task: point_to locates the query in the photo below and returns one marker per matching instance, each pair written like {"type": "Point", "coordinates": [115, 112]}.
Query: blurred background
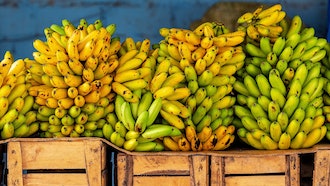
{"type": "Point", "coordinates": [22, 21]}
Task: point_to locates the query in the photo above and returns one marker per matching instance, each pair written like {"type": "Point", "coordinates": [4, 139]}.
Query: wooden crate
{"type": "Point", "coordinates": [62, 161]}
{"type": "Point", "coordinates": [223, 168]}
{"type": "Point", "coordinates": [162, 169]}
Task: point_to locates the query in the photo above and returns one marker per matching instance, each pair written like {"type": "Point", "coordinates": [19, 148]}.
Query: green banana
{"type": "Point", "coordinates": [265, 67]}
{"type": "Point", "coordinates": [154, 110]}
{"type": "Point", "coordinates": [273, 110]}
{"type": "Point", "coordinates": [141, 122]}
{"type": "Point", "coordinates": [276, 81]}
{"type": "Point", "coordinates": [205, 78]}
{"type": "Point", "coordinates": [281, 66]}
{"type": "Point", "coordinates": [253, 50]}
{"type": "Point", "coordinates": [286, 54]}
{"type": "Point", "coordinates": [7, 131]}
{"type": "Point", "coordinates": [293, 128]}
{"type": "Point", "coordinates": [291, 104]}
{"type": "Point", "coordinates": [283, 120]}
{"type": "Point", "coordinates": [157, 131]}
{"type": "Point", "coordinates": [299, 50]}
{"type": "Point", "coordinates": [265, 45]}
{"type": "Point", "coordinates": [264, 124]}
{"type": "Point", "coordinates": [293, 40]}
{"type": "Point", "coordinates": [249, 123]}
{"type": "Point", "coordinates": [127, 116]}
{"type": "Point", "coordinates": [252, 70]}
{"type": "Point", "coordinates": [306, 33]}
{"type": "Point", "coordinates": [264, 101]}
{"type": "Point", "coordinates": [97, 114]}
{"type": "Point", "coordinates": [257, 110]}
{"type": "Point", "coordinates": [278, 45]}
{"type": "Point", "coordinates": [298, 114]}
{"type": "Point", "coordinates": [9, 117]}
{"type": "Point", "coordinates": [253, 88]}
{"type": "Point", "coordinates": [119, 128]}
{"type": "Point", "coordinates": [295, 26]}
{"type": "Point", "coordinates": [240, 88]}
{"type": "Point", "coordinates": [295, 88]}
{"type": "Point", "coordinates": [277, 96]}
{"type": "Point", "coordinates": [263, 85]}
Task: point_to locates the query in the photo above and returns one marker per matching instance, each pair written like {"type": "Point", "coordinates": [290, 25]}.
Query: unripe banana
{"type": "Point", "coordinates": [285, 141]}
{"type": "Point", "coordinates": [268, 143]}
{"type": "Point", "coordinates": [264, 124]}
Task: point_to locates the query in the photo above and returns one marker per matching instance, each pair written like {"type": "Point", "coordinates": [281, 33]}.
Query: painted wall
{"type": "Point", "coordinates": [22, 21]}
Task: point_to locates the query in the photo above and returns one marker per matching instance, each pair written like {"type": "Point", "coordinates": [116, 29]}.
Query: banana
{"type": "Point", "coordinates": [299, 50]}
{"type": "Point", "coordinates": [8, 117]}
{"type": "Point", "coordinates": [252, 70]}
{"type": "Point", "coordinates": [157, 131]}
{"type": "Point", "coordinates": [154, 110]}
{"type": "Point", "coordinates": [253, 141]}
{"type": "Point", "coordinates": [200, 66]}
{"type": "Point", "coordinates": [276, 81]}
{"type": "Point", "coordinates": [254, 50]}
{"type": "Point", "coordinates": [252, 32]}
{"type": "Point", "coordinates": [273, 110]}
{"type": "Point", "coordinates": [257, 110]}
{"type": "Point", "coordinates": [249, 123]}
{"type": "Point", "coordinates": [286, 53]}
{"type": "Point", "coordinates": [285, 141]}
{"type": "Point", "coordinates": [7, 131]}
{"type": "Point", "coordinates": [172, 119]}
{"type": "Point", "coordinates": [179, 93]}
{"type": "Point", "coordinates": [205, 122]}
{"type": "Point", "coordinates": [157, 81]}
{"type": "Point", "coordinates": [141, 122]}
{"type": "Point", "coordinates": [263, 85]}
{"type": "Point", "coordinates": [264, 124]}
{"type": "Point", "coordinates": [298, 114]}
{"type": "Point", "coordinates": [268, 143]}
{"type": "Point", "coordinates": [312, 138]}
{"type": "Point", "coordinates": [174, 79]}
{"type": "Point", "coordinates": [164, 92]}
{"type": "Point", "coordinates": [250, 82]}
{"type": "Point", "coordinates": [295, 26]}
{"type": "Point", "coordinates": [279, 45]}
{"type": "Point", "coordinates": [275, 131]}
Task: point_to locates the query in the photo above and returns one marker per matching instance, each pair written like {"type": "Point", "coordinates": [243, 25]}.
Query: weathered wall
{"type": "Point", "coordinates": [24, 20]}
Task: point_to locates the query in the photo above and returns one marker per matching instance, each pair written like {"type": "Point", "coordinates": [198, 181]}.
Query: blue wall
{"type": "Point", "coordinates": [22, 21]}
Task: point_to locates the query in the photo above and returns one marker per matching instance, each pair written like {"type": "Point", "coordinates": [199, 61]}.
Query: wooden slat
{"type": "Point", "coordinates": [68, 179]}
{"type": "Point", "coordinates": [160, 165]}
{"type": "Point", "coordinates": [14, 164]}
{"type": "Point", "coordinates": [53, 155]}
{"type": "Point", "coordinates": [255, 164]}
{"type": "Point", "coordinates": [124, 169]}
{"type": "Point", "coordinates": [93, 150]}
{"type": "Point", "coordinates": [162, 180]}
{"type": "Point", "coordinates": [199, 170]}
{"type": "Point", "coordinates": [294, 170]}
{"type": "Point", "coordinates": [217, 171]}
{"type": "Point", "coordinates": [321, 174]}
{"type": "Point", "coordinates": [257, 180]}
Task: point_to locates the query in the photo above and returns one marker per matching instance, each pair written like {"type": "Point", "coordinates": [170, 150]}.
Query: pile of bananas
{"type": "Point", "coordinates": [17, 117]}
{"type": "Point", "coordinates": [71, 76]}
{"type": "Point", "coordinates": [280, 89]}
{"type": "Point", "coordinates": [194, 77]}
{"type": "Point", "coordinates": [268, 22]}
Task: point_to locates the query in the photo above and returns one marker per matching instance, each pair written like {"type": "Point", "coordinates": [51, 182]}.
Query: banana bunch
{"type": "Point", "coordinates": [280, 91]}
{"type": "Point", "coordinates": [194, 77]}
{"type": "Point", "coordinates": [135, 68]}
{"type": "Point", "coordinates": [262, 22]}
{"type": "Point", "coordinates": [85, 121]}
{"type": "Point", "coordinates": [135, 126]}
{"type": "Point", "coordinates": [72, 71]}
{"type": "Point", "coordinates": [17, 114]}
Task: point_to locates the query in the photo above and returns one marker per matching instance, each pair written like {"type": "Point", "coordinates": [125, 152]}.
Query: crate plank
{"type": "Point", "coordinates": [14, 164]}
{"type": "Point", "coordinates": [50, 153]}
{"type": "Point", "coordinates": [321, 173]}
{"type": "Point", "coordinates": [67, 179]}
{"type": "Point", "coordinates": [256, 180]}
{"type": "Point", "coordinates": [293, 172]}
{"type": "Point", "coordinates": [199, 169]}
{"type": "Point", "coordinates": [93, 157]}
{"type": "Point", "coordinates": [217, 170]}
{"type": "Point", "coordinates": [255, 164]}
{"type": "Point", "coordinates": [162, 180]}
{"type": "Point", "coordinates": [160, 165]}
{"type": "Point", "coordinates": [124, 169]}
